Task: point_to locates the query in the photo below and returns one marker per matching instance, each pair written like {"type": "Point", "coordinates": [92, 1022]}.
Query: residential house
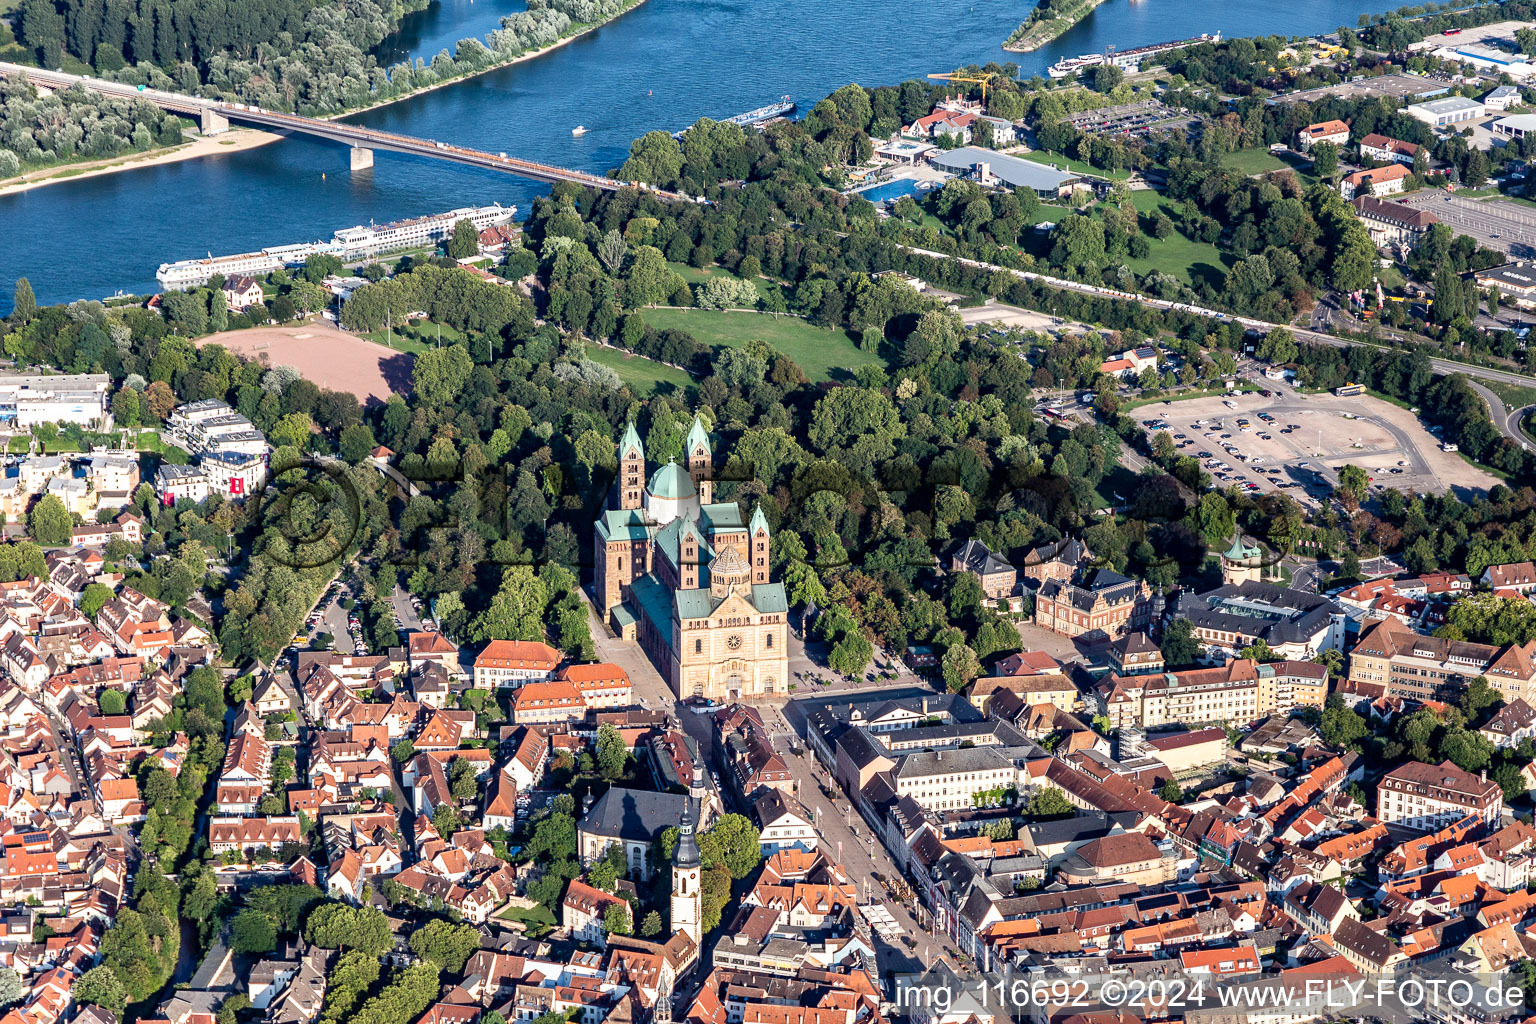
{"type": "Point", "coordinates": [1512, 725]}
{"type": "Point", "coordinates": [241, 292]}
{"type": "Point", "coordinates": [1336, 132]}
{"type": "Point", "coordinates": [783, 823]}
{"type": "Point", "coordinates": [583, 910]}
{"type": "Point", "coordinates": [1376, 146]}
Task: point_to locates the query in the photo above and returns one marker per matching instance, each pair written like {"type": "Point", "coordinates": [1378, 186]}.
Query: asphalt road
{"type": "Point", "coordinates": [849, 838]}
{"type": "Point", "coordinates": [1507, 420]}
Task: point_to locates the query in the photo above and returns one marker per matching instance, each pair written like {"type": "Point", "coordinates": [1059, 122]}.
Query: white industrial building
{"type": "Point", "coordinates": [28, 399]}
{"type": "Point", "coordinates": [1490, 59]}
{"type": "Point", "coordinates": [1448, 110]}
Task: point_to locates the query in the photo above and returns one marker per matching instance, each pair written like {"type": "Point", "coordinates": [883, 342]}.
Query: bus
{"type": "Point", "coordinates": [1349, 390]}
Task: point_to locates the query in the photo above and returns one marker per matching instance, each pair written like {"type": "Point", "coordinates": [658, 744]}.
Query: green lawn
{"type": "Point", "coordinates": [1254, 161]}
{"type": "Point", "coordinates": [415, 340]}
{"type": "Point", "coordinates": [821, 352]}
{"type": "Point", "coordinates": [1391, 278]}
{"type": "Point", "coordinates": [645, 376]}
{"type": "Point", "coordinates": [19, 445]}
{"type": "Point", "coordinates": [149, 441]}
{"type": "Point", "coordinates": [1514, 396]}
{"type": "Point", "coordinates": [693, 275]}
{"type": "Point", "coordinates": [1119, 481]}
{"type": "Point", "coordinates": [539, 921]}
{"type": "Point", "coordinates": [1183, 257]}
{"type": "Point", "coordinates": [1075, 166]}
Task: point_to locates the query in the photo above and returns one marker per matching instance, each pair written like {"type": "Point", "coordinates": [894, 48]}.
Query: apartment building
{"type": "Point", "coordinates": [584, 910]}
{"type": "Point", "coordinates": [1429, 796]}
{"type": "Point", "coordinates": [1042, 689]}
{"type": "Point", "coordinates": [949, 780]}
{"type": "Point", "coordinates": [1240, 690]}
{"type": "Point", "coordinates": [180, 483]}
{"type": "Point", "coordinates": [1336, 132]}
{"type": "Point", "coordinates": [545, 703]}
{"type": "Point", "coordinates": [602, 684]}
{"type": "Point", "coordinates": [1376, 146]}
{"type": "Point", "coordinates": [1422, 667]}
{"type": "Point", "coordinates": [1377, 181]}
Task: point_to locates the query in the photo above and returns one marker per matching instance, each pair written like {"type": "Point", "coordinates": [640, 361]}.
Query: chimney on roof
{"type": "Point", "coordinates": [925, 705]}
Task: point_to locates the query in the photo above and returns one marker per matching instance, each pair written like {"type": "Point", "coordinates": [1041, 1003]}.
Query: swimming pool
{"type": "Point", "coordinates": [891, 190]}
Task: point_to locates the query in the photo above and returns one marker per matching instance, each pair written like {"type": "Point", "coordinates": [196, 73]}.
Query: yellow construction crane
{"type": "Point", "coordinates": [982, 79]}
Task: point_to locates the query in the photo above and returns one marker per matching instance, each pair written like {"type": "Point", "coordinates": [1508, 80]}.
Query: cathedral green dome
{"type": "Point", "coordinates": [671, 482]}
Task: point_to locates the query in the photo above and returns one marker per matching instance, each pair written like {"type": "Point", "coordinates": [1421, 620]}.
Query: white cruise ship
{"type": "Point", "coordinates": [405, 234]}
{"type": "Point", "coordinates": [348, 243]}
{"type": "Point", "coordinates": [1126, 60]}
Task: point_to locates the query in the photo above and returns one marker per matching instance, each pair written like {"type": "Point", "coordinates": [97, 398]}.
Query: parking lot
{"type": "Point", "coordinates": [1132, 119]}
{"type": "Point", "coordinates": [1295, 444]}
{"type": "Point", "coordinates": [345, 625]}
{"type": "Point", "coordinates": [1497, 223]}
{"type": "Point", "coordinates": [1498, 33]}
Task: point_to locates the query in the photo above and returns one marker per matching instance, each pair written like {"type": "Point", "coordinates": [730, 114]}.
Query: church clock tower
{"type": "Point", "coordinates": [687, 897]}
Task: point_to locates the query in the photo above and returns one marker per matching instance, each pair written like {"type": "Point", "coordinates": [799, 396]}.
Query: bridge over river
{"type": "Point", "coordinates": [214, 116]}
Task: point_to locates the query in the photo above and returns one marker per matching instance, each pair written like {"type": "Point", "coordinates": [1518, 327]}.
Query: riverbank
{"type": "Point", "coordinates": [1033, 34]}
{"type": "Point", "coordinates": [239, 139]}
{"type": "Point", "coordinates": [235, 140]}
{"type": "Point", "coordinates": [585, 29]}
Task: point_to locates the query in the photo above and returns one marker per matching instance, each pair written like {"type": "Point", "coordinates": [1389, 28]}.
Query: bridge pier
{"type": "Point", "coordinates": [362, 158]}
{"type": "Point", "coordinates": [213, 123]}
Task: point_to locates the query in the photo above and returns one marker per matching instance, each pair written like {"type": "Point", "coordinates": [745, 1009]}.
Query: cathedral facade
{"type": "Point", "coordinates": [688, 580]}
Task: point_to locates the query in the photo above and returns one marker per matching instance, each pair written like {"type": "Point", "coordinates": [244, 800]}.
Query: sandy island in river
{"type": "Point", "coordinates": [233, 141]}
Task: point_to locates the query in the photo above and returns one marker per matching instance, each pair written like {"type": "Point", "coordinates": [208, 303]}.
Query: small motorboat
{"type": "Point", "coordinates": [579, 131]}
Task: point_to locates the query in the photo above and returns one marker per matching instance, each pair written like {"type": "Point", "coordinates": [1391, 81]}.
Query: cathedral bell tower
{"type": "Point", "coordinates": [687, 897]}
{"type": "Point", "coordinates": [700, 461]}
{"type": "Point", "coordinates": [631, 469]}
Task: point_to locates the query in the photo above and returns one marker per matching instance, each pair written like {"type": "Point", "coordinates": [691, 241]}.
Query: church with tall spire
{"type": "Point", "coordinates": [687, 578]}
{"type": "Point", "coordinates": [687, 896]}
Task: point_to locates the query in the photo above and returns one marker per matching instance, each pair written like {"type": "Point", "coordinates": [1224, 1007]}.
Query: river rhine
{"type": "Point", "coordinates": [661, 66]}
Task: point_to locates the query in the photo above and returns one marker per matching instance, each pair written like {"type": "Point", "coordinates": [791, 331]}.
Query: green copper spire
{"type": "Point", "coordinates": [759, 522]}
{"type": "Point", "coordinates": [698, 437]}
{"type": "Point", "coordinates": [630, 442]}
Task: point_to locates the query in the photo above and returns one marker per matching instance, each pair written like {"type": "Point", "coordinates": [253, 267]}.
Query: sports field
{"type": "Point", "coordinates": [330, 357]}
